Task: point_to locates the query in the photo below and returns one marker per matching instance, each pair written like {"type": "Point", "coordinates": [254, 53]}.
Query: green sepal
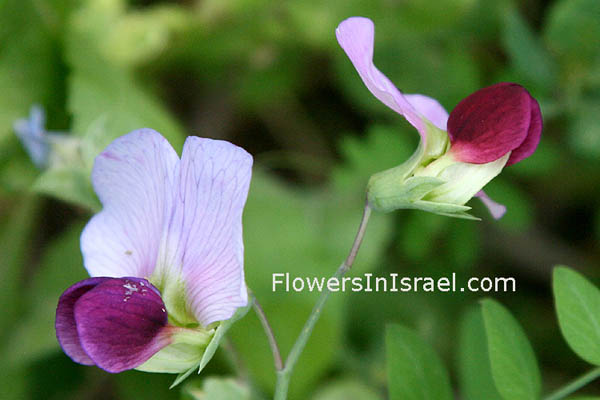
{"type": "Point", "coordinates": [445, 209]}
{"type": "Point", "coordinates": [402, 195]}
{"type": "Point", "coordinates": [187, 349]}
{"type": "Point", "coordinates": [214, 343]}
{"type": "Point", "coordinates": [387, 190]}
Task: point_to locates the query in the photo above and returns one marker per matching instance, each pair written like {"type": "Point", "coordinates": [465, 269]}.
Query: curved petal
{"type": "Point", "coordinates": [490, 123]}
{"type": "Point", "coordinates": [133, 178]}
{"type": "Point", "coordinates": [533, 135]}
{"type": "Point", "coordinates": [66, 329]}
{"type": "Point", "coordinates": [356, 35]}
{"type": "Point", "coordinates": [205, 234]}
{"type": "Point", "coordinates": [429, 108]}
{"type": "Point", "coordinates": [496, 209]}
{"type": "Point", "coordinates": [121, 323]}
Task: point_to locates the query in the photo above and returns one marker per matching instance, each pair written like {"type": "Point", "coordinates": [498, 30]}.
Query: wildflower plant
{"type": "Point", "coordinates": [458, 154]}
{"type": "Point", "coordinates": [165, 254]}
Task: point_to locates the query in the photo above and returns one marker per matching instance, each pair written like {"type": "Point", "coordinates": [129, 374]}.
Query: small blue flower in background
{"type": "Point", "coordinates": [33, 135]}
{"type": "Point", "coordinates": [47, 149]}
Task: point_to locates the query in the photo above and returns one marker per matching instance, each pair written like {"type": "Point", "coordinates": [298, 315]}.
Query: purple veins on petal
{"type": "Point", "coordinates": [213, 186]}
{"type": "Point", "coordinates": [178, 219]}
{"type": "Point", "coordinates": [119, 322]}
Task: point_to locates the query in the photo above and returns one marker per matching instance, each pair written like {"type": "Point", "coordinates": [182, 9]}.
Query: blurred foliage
{"type": "Point", "coordinates": [269, 76]}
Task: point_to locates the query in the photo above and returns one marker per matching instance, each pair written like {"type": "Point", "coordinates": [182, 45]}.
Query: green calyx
{"type": "Point", "coordinates": [185, 351]}
{"type": "Point", "coordinates": [432, 180]}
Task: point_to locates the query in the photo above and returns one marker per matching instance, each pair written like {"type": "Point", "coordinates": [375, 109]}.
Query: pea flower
{"type": "Point", "coordinates": [165, 254]}
{"type": "Point", "coordinates": [458, 154]}
{"type": "Point", "coordinates": [45, 148]}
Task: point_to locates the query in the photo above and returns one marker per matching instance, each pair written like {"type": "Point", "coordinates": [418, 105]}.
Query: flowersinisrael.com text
{"type": "Point", "coordinates": [391, 283]}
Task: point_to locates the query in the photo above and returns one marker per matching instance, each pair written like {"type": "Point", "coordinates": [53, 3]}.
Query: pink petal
{"type": "Point", "coordinates": [66, 328]}
{"type": "Point", "coordinates": [133, 178]}
{"type": "Point", "coordinates": [496, 209]}
{"type": "Point", "coordinates": [213, 182]}
{"type": "Point", "coordinates": [429, 108]}
{"type": "Point", "coordinates": [533, 136]}
{"type": "Point", "coordinates": [121, 323]}
{"type": "Point", "coordinates": [356, 35]}
{"type": "Point", "coordinates": [490, 122]}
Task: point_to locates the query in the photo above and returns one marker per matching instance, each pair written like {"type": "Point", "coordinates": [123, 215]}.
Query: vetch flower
{"type": "Point", "coordinates": [46, 148]}
{"type": "Point", "coordinates": [165, 254]}
{"type": "Point", "coordinates": [458, 154]}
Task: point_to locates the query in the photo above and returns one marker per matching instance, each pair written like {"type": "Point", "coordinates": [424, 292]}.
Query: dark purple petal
{"type": "Point", "coordinates": [490, 122]}
{"type": "Point", "coordinates": [66, 329]}
{"type": "Point", "coordinates": [121, 323]}
{"type": "Point", "coordinates": [533, 136]}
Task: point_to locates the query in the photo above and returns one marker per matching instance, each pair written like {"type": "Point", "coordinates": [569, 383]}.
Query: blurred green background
{"type": "Point", "coordinates": [269, 76]}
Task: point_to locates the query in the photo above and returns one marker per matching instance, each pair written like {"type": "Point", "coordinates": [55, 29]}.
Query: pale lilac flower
{"type": "Point", "coordinates": [165, 253]}
{"type": "Point", "coordinates": [33, 135]}
{"type": "Point", "coordinates": [46, 148]}
{"type": "Point", "coordinates": [458, 153]}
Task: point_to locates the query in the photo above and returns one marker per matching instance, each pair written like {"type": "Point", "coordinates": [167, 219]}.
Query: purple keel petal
{"type": "Point", "coordinates": [489, 123]}
{"type": "Point", "coordinates": [207, 227]}
{"type": "Point", "coordinates": [133, 178]}
{"type": "Point", "coordinates": [496, 209]}
{"type": "Point", "coordinates": [121, 323]}
{"type": "Point", "coordinates": [533, 136]}
{"type": "Point", "coordinates": [66, 328]}
{"type": "Point", "coordinates": [356, 35]}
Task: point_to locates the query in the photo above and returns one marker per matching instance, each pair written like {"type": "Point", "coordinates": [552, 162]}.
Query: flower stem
{"type": "Point", "coordinates": [269, 332]}
{"type": "Point", "coordinates": [577, 384]}
{"type": "Point", "coordinates": [284, 375]}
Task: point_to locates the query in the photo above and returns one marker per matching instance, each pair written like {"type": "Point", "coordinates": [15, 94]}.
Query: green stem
{"type": "Point", "coordinates": [269, 332]}
{"type": "Point", "coordinates": [575, 385]}
{"type": "Point", "coordinates": [284, 375]}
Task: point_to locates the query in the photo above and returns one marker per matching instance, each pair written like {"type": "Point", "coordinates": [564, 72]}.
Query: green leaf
{"type": "Point", "coordinates": [573, 29]}
{"type": "Point", "coordinates": [15, 236]}
{"type": "Point", "coordinates": [415, 372]}
{"type": "Point", "coordinates": [61, 266]}
{"type": "Point", "coordinates": [514, 367]}
{"type": "Point", "coordinates": [346, 389]}
{"type": "Point", "coordinates": [383, 148]}
{"type": "Point", "coordinates": [100, 90]}
{"type": "Point", "coordinates": [578, 309]}
{"type": "Point", "coordinates": [529, 58]}
{"type": "Point", "coordinates": [69, 184]}
{"type": "Point", "coordinates": [217, 389]}
{"type": "Point", "coordinates": [584, 398]}
{"type": "Point", "coordinates": [214, 343]}
{"type": "Point", "coordinates": [27, 61]}
{"type": "Point", "coordinates": [474, 361]}
{"type": "Point", "coordinates": [520, 212]}
{"type": "Point", "coordinates": [584, 131]}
